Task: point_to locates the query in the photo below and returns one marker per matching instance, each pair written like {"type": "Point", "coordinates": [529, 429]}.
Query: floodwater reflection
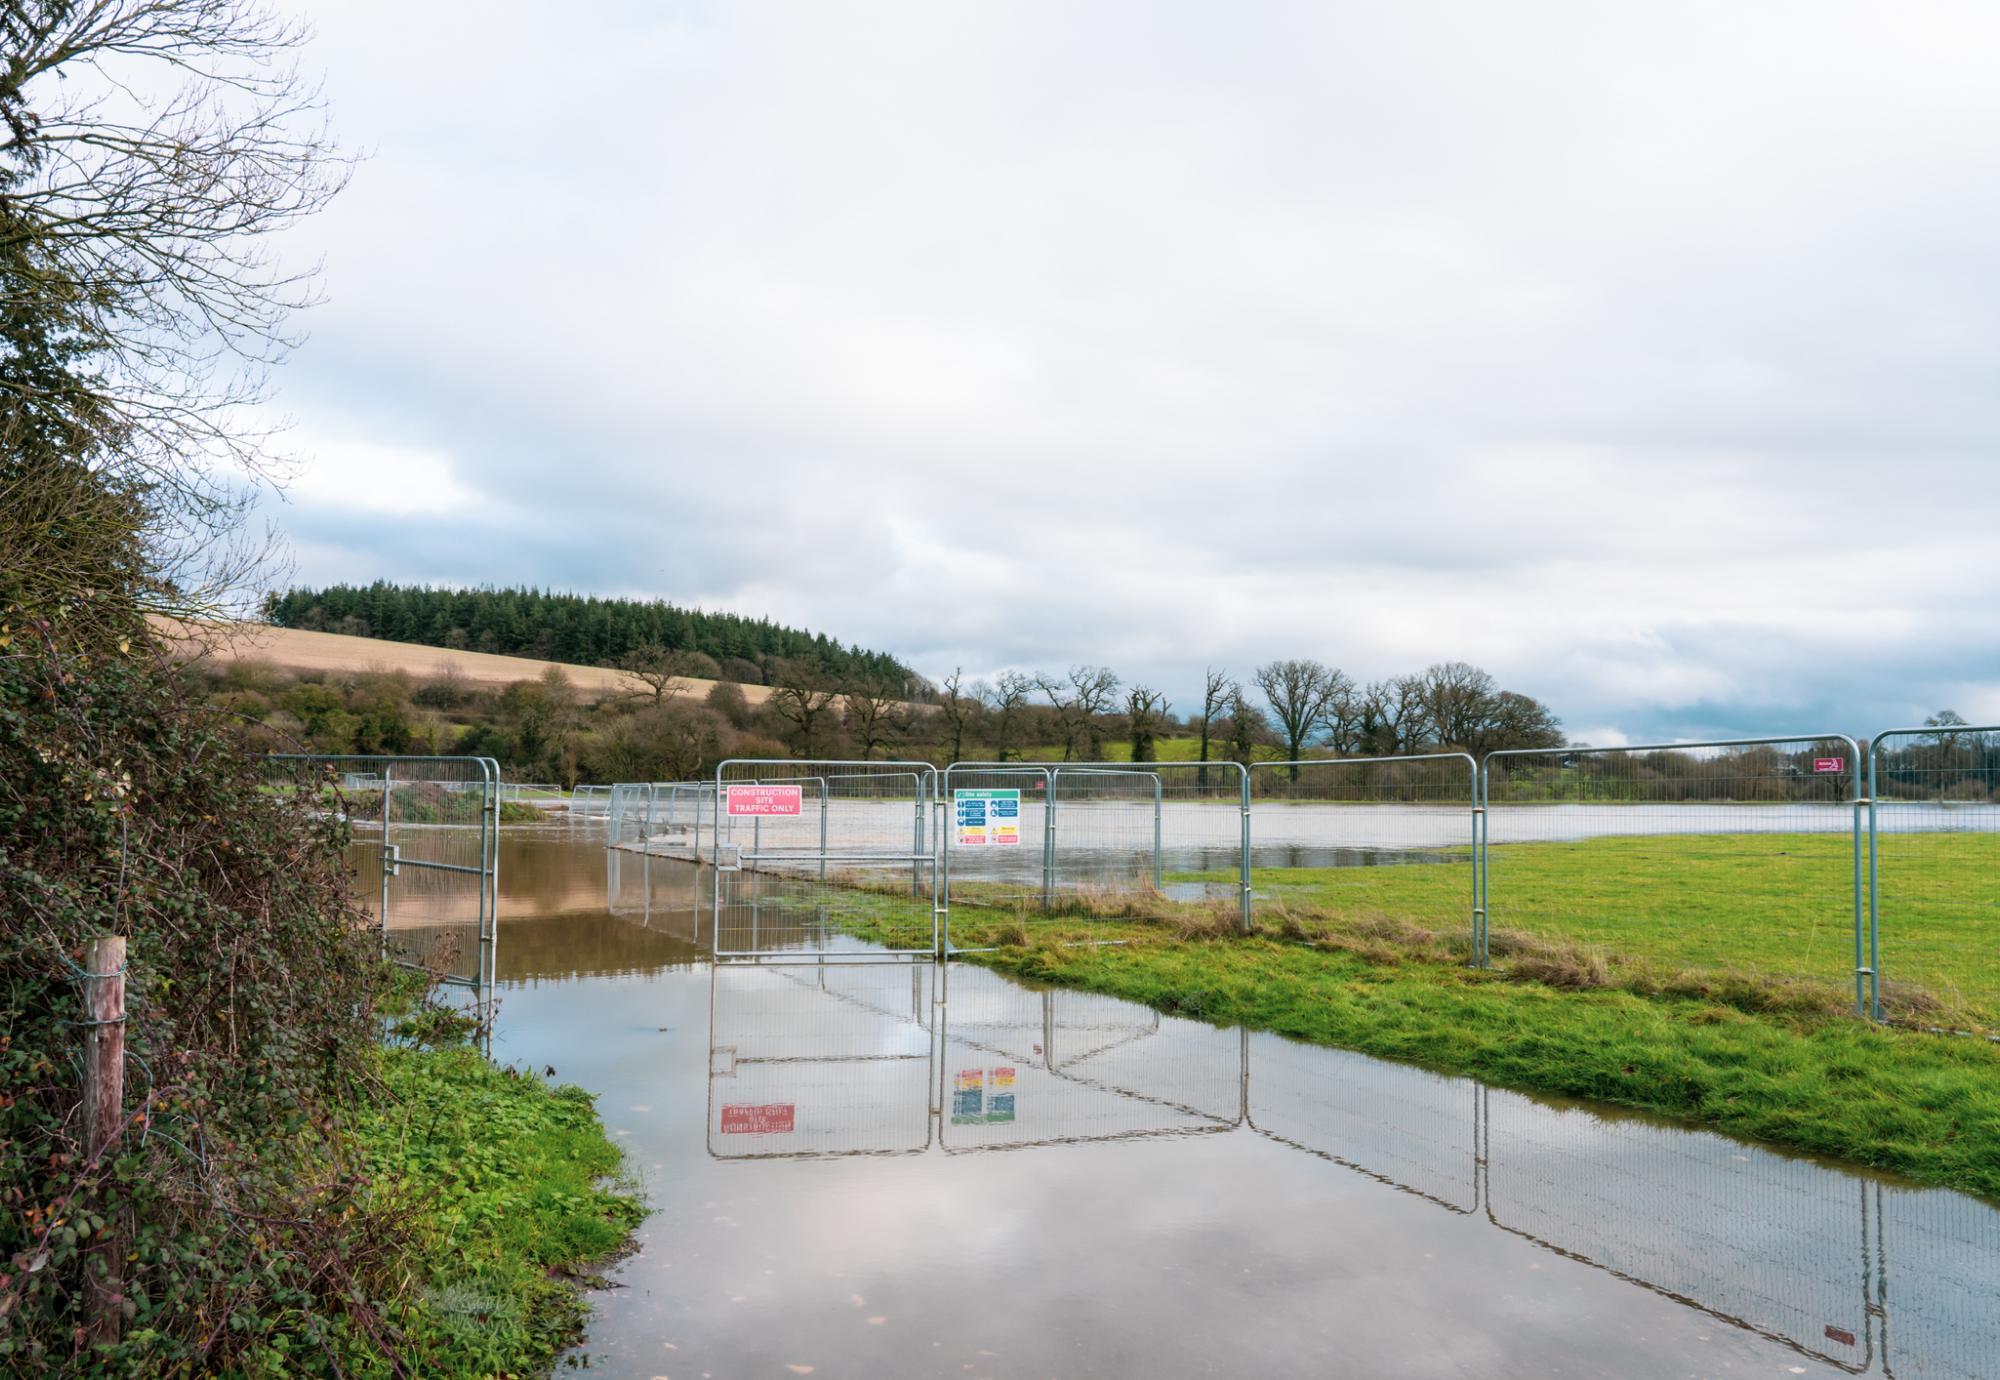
{"type": "Point", "coordinates": [897, 1169]}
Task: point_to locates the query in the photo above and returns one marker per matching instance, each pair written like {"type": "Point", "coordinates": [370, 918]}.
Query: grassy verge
{"type": "Point", "coordinates": [503, 1185]}
{"type": "Point", "coordinates": [1770, 1061]}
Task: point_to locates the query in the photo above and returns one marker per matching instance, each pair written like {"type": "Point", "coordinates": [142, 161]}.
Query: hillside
{"type": "Point", "coordinates": [580, 629]}
{"type": "Point", "coordinates": [298, 652]}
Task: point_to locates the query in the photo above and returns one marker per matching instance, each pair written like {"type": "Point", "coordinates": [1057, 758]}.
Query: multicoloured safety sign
{"type": "Point", "coordinates": [982, 1097]}
{"type": "Point", "coordinates": [982, 819]}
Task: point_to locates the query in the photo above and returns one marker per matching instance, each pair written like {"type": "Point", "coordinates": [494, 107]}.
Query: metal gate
{"type": "Point", "coordinates": [824, 859]}
{"type": "Point", "coordinates": [425, 845]}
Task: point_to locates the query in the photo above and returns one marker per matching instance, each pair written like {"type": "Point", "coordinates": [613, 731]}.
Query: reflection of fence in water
{"type": "Point", "coordinates": [1937, 1262]}
{"type": "Point", "coordinates": [831, 1060]}
{"type": "Point", "coordinates": [1413, 1130]}
{"type": "Point", "coordinates": [1775, 1245]}
{"type": "Point", "coordinates": [663, 894]}
{"type": "Point", "coordinates": [1083, 1068]}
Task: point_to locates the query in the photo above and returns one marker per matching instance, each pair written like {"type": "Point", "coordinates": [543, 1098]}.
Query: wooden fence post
{"type": "Point", "coordinates": [103, 1115]}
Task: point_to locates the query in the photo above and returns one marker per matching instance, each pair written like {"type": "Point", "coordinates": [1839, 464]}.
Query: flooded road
{"type": "Point", "coordinates": [896, 1170]}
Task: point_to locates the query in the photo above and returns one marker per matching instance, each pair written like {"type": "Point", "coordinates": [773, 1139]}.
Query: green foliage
{"type": "Point", "coordinates": [502, 1180]}
{"type": "Point", "coordinates": [124, 809]}
{"type": "Point", "coordinates": [585, 630]}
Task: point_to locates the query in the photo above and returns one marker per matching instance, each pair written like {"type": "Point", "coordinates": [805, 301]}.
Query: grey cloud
{"type": "Point", "coordinates": [1645, 358]}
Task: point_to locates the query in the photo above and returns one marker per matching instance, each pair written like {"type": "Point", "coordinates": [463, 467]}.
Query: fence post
{"type": "Point", "coordinates": [1244, 851]}
{"type": "Point", "coordinates": [103, 1114]}
{"type": "Point", "coordinates": [1049, 776]}
{"type": "Point", "coordinates": [1158, 792]}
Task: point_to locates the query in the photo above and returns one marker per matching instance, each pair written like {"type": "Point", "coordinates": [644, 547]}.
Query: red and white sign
{"type": "Point", "coordinates": [766, 800]}
{"type": "Point", "coordinates": [745, 1119]}
{"type": "Point", "coordinates": [1826, 766]}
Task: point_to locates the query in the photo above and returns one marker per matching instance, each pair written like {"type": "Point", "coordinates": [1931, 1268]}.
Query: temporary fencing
{"type": "Point", "coordinates": [1934, 861]}
{"type": "Point", "coordinates": [1054, 835]}
{"type": "Point", "coordinates": [425, 844]}
{"type": "Point", "coordinates": [1743, 854]}
{"type": "Point", "coordinates": [824, 858]}
{"type": "Point", "coordinates": [1326, 831]}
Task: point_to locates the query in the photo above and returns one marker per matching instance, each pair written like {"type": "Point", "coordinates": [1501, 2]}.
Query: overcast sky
{"type": "Point", "coordinates": [1647, 356]}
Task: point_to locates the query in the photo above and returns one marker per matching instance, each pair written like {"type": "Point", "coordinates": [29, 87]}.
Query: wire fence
{"type": "Point", "coordinates": [424, 846]}
{"type": "Point", "coordinates": [1052, 840]}
{"type": "Point", "coordinates": [1790, 863]}
{"type": "Point", "coordinates": [1350, 841]}
{"type": "Point", "coordinates": [824, 857]}
{"type": "Point", "coordinates": [1934, 862]}
{"type": "Point", "coordinates": [1696, 861]}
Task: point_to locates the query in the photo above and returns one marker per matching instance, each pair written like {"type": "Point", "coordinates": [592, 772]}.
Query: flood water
{"type": "Point", "coordinates": [902, 1170]}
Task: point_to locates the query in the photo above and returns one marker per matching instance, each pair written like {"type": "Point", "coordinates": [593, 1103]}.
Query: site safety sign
{"type": "Point", "coordinates": [769, 1119]}
{"type": "Point", "coordinates": [766, 800]}
{"type": "Point", "coordinates": [984, 819]}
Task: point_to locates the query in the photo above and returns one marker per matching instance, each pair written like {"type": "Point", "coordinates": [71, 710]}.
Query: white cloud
{"type": "Point", "coordinates": [1644, 357]}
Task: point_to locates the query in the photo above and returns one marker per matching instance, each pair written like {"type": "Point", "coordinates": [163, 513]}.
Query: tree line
{"type": "Point", "coordinates": [582, 629]}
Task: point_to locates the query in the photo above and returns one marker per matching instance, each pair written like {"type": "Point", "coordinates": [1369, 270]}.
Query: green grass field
{"type": "Point", "coordinates": [1762, 907]}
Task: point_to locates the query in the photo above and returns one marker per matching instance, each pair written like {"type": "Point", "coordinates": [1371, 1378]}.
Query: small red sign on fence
{"type": "Point", "coordinates": [1826, 766]}
{"type": "Point", "coordinates": [766, 800]}
{"type": "Point", "coordinates": [742, 1119]}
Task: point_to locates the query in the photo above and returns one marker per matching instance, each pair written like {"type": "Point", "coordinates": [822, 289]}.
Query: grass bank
{"type": "Point", "coordinates": [505, 1188]}
{"type": "Point", "coordinates": [1764, 1059]}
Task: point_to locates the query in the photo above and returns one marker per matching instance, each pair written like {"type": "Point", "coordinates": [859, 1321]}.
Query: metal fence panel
{"type": "Point", "coordinates": [1738, 856]}
{"type": "Point", "coordinates": [1344, 842]}
{"type": "Point", "coordinates": [1042, 837]}
{"type": "Point", "coordinates": [425, 846]}
{"type": "Point", "coordinates": [1934, 863]}
{"type": "Point", "coordinates": [824, 857]}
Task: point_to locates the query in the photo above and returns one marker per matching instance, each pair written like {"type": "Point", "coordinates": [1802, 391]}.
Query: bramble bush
{"type": "Point", "coordinates": [236, 1184]}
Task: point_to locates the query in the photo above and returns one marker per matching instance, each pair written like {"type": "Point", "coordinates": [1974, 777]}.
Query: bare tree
{"type": "Point", "coordinates": [1006, 700]}
{"type": "Point", "coordinates": [958, 708]}
{"type": "Point", "coordinates": [149, 149]}
{"type": "Point", "coordinates": [1247, 729]}
{"type": "Point", "coordinates": [1945, 720]}
{"type": "Point", "coordinates": [797, 699]}
{"type": "Point", "coordinates": [1457, 700]}
{"type": "Point", "coordinates": [870, 717]}
{"type": "Point", "coordinates": [1301, 692]}
{"type": "Point", "coordinates": [659, 672]}
{"type": "Point", "coordinates": [1216, 691]}
{"type": "Point", "coordinates": [1078, 700]}
{"type": "Point", "coordinates": [1147, 709]}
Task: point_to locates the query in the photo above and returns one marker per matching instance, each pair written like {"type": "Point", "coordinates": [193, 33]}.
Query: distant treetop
{"type": "Point", "coordinates": [576, 628]}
